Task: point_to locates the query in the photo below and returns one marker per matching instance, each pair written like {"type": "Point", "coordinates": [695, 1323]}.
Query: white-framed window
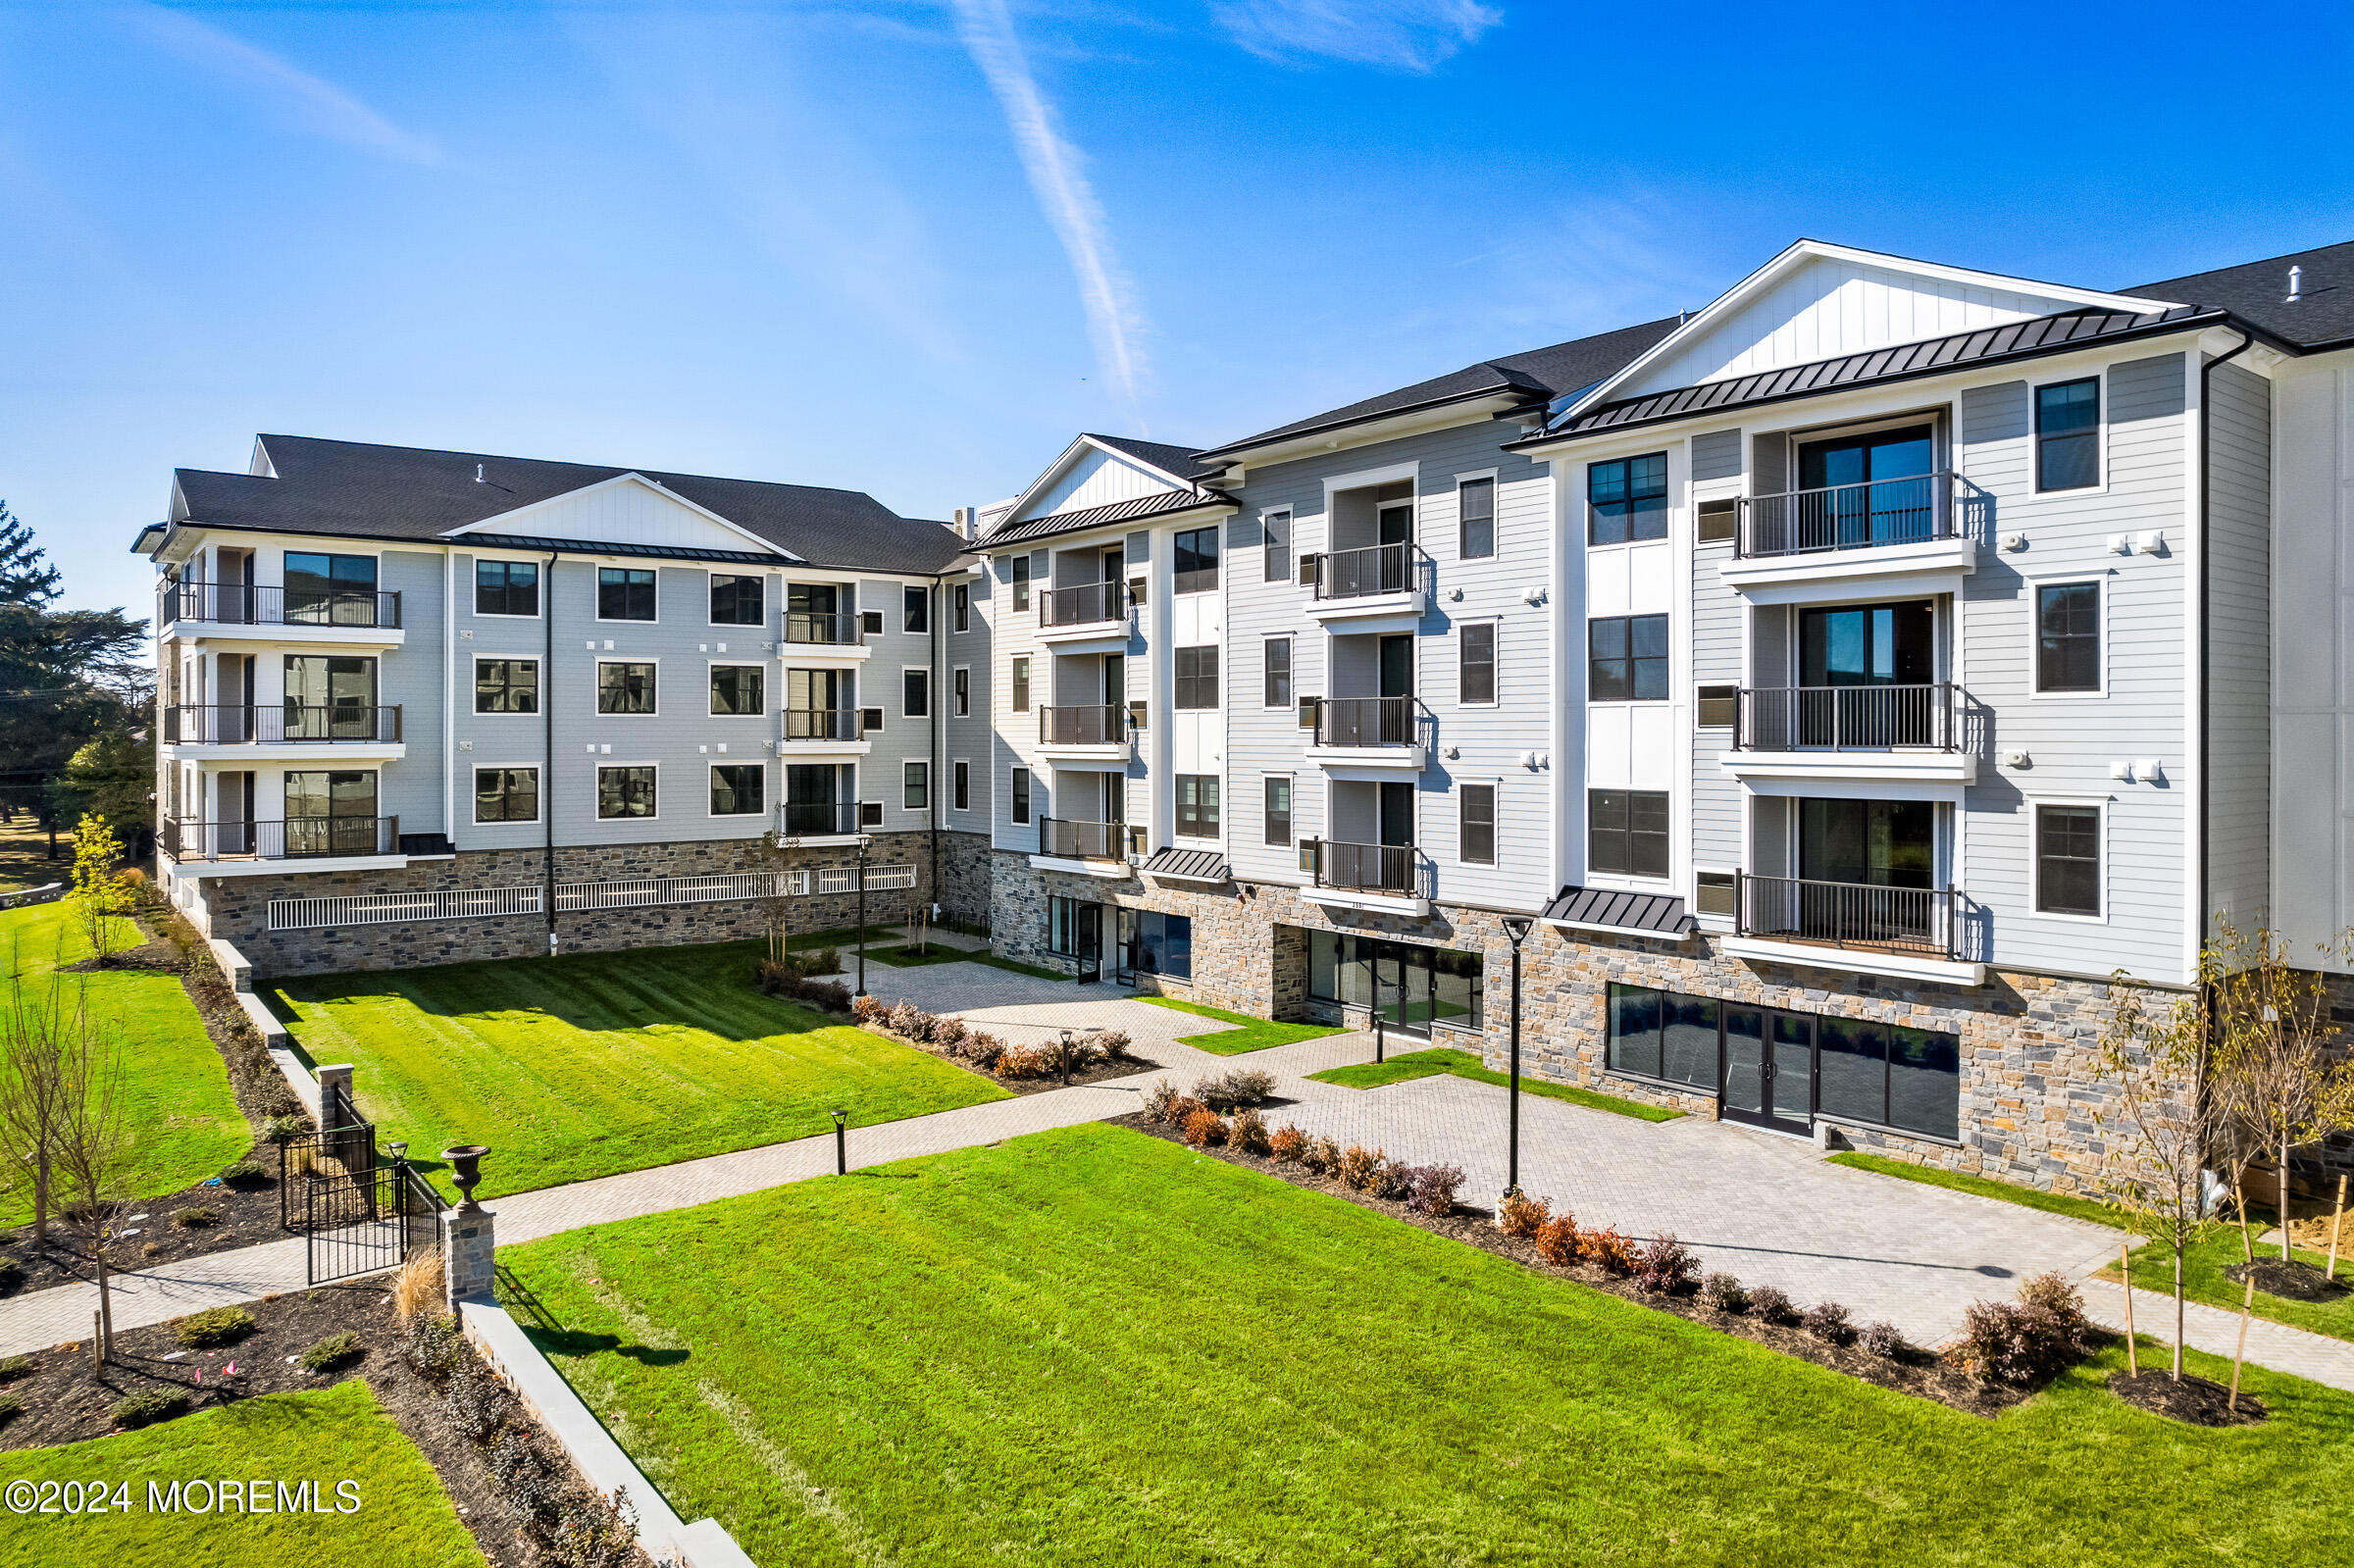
{"type": "Point", "coordinates": [1020, 579]}
{"type": "Point", "coordinates": [2068, 843]}
{"type": "Point", "coordinates": [506, 795]}
{"type": "Point", "coordinates": [1021, 795]}
{"type": "Point", "coordinates": [915, 787]}
{"type": "Point", "coordinates": [1276, 532]}
{"type": "Point", "coordinates": [960, 691]}
{"type": "Point", "coordinates": [627, 594]}
{"type": "Point", "coordinates": [739, 600]}
{"type": "Point", "coordinates": [739, 789]}
{"type": "Point", "coordinates": [626, 688]}
{"type": "Point", "coordinates": [1475, 515]}
{"type": "Point", "coordinates": [870, 622]}
{"type": "Point", "coordinates": [2067, 435]}
{"type": "Point", "coordinates": [506, 588]}
{"type": "Point", "coordinates": [915, 610]}
{"type": "Point", "coordinates": [628, 790]}
{"type": "Point", "coordinates": [739, 690]}
{"type": "Point", "coordinates": [960, 604]}
{"type": "Point", "coordinates": [1279, 809]}
{"type": "Point", "coordinates": [2068, 636]}
{"type": "Point", "coordinates": [1475, 824]}
{"type": "Point", "coordinates": [915, 692]}
{"type": "Point", "coordinates": [505, 686]}
{"type": "Point", "coordinates": [1279, 673]}
{"type": "Point", "coordinates": [1475, 663]}
{"type": "Point", "coordinates": [1020, 686]}
{"type": "Point", "coordinates": [961, 785]}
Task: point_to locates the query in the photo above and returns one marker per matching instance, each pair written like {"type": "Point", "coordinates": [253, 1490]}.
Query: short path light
{"type": "Point", "coordinates": [841, 1145]}
{"type": "Point", "coordinates": [1066, 1058]}
{"type": "Point", "coordinates": [1517, 927]}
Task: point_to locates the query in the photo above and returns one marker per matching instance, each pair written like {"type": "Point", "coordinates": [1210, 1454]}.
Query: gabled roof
{"type": "Point", "coordinates": [2257, 292]}
{"type": "Point", "coordinates": [355, 490]}
{"type": "Point", "coordinates": [1177, 462]}
{"type": "Point", "coordinates": [1536, 375]}
{"type": "Point", "coordinates": [1173, 464]}
{"type": "Point", "coordinates": [1135, 509]}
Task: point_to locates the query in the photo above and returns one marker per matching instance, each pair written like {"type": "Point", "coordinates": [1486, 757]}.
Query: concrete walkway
{"type": "Point", "coordinates": [1765, 1207]}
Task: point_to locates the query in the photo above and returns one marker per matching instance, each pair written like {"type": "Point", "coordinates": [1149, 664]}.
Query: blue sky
{"type": "Point", "coordinates": [911, 247]}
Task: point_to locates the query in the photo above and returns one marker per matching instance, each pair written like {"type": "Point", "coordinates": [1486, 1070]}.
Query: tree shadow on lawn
{"type": "Point", "coordinates": [544, 1330]}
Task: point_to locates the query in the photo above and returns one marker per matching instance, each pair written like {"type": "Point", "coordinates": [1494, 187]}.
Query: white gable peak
{"type": "Point", "coordinates": [625, 509]}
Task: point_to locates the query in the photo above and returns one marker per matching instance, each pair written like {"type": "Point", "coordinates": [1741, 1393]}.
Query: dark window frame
{"type": "Point", "coordinates": [1193, 686]}
{"type": "Point", "coordinates": [961, 605]}
{"type": "Point", "coordinates": [608, 792]}
{"type": "Point", "coordinates": [620, 587]}
{"type": "Point", "coordinates": [736, 583]}
{"type": "Point", "coordinates": [960, 691]}
{"type": "Point", "coordinates": [653, 689]}
{"type": "Point", "coordinates": [1020, 579]}
{"type": "Point", "coordinates": [759, 773]}
{"type": "Point", "coordinates": [507, 589]}
{"type": "Point", "coordinates": [915, 694]}
{"type": "Point", "coordinates": [505, 792]}
{"type": "Point", "coordinates": [1279, 657]}
{"type": "Point", "coordinates": [1619, 483]}
{"type": "Point", "coordinates": [2055, 863]}
{"type": "Point", "coordinates": [1473, 675]}
{"type": "Point", "coordinates": [961, 785]}
{"type": "Point", "coordinates": [1467, 546]}
{"type": "Point", "coordinates": [1021, 795]}
{"type": "Point", "coordinates": [1276, 543]}
{"type": "Point", "coordinates": [1469, 829]}
{"type": "Point", "coordinates": [1616, 847]}
{"type": "Point", "coordinates": [507, 686]}
{"type": "Point", "coordinates": [2055, 650]}
{"type": "Point", "coordinates": [1201, 546]}
{"type": "Point", "coordinates": [1017, 681]}
{"type": "Point", "coordinates": [916, 785]}
{"type": "Point", "coordinates": [1199, 817]}
{"type": "Point", "coordinates": [915, 611]}
{"type": "Point", "coordinates": [1278, 818]}
{"type": "Point", "coordinates": [759, 698]}
{"type": "Point", "coordinates": [2077, 446]}
{"type": "Point", "coordinates": [1644, 676]}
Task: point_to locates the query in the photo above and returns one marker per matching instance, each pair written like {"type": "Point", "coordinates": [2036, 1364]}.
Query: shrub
{"type": "Point", "coordinates": [10, 1408]}
{"type": "Point", "coordinates": [196, 1217]}
{"type": "Point", "coordinates": [1613, 1252]}
{"type": "Point", "coordinates": [1435, 1187]}
{"type": "Point", "coordinates": [870, 1009]}
{"type": "Point", "coordinates": [222, 1325]}
{"type": "Point", "coordinates": [2028, 1339]}
{"type": "Point", "coordinates": [1521, 1215]}
{"type": "Point", "coordinates": [1769, 1304]}
{"type": "Point", "coordinates": [1827, 1322]}
{"type": "Point", "coordinates": [773, 979]}
{"type": "Point", "coordinates": [1322, 1155]}
{"type": "Point", "coordinates": [279, 1100]}
{"type": "Point", "coordinates": [1394, 1182]}
{"type": "Point", "coordinates": [1159, 1098]}
{"type": "Point", "coordinates": [1205, 1129]}
{"type": "Point", "coordinates": [433, 1347]}
{"type": "Point", "coordinates": [1023, 1061]}
{"type": "Point", "coordinates": [148, 1406]}
{"type": "Point", "coordinates": [475, 1404]}
{"type": "Point", "coordinates": [284, 1128]}
{"type": "Point", "coordinates": [1721, 1293]}
{"type": "Point", "coordinates": [325, 1355]}
{"type": "Point", "coordinates": [1359, 1167]}
{"type": "Point", "coordinates": [1243, 1086]}
{"type": "Point", "coordinates": [523, 1472]}
{"type": "Point", "coordinates": [1182, 1107]}
{"type": "Point", "coordinates": [1665, 1266]}
{"type": "Point", "coordinates": [1249, 1135]}
{"type": "Point", "coordinates": [1556, 1240]}
{"type": "Point", "coordinates": [911, 1020]}
{"type": "Point", "coordinates": [14, 1367]}
{"type": "Point", "coordinates": [950, 1032]}
{"type": "Point", "coordinates": [982, 1048]}
{"type": "Point", "coordinates": [1115, 1043]}
{"type": "Point", "coordinates": [1883, 1340]}
{"type": "Point", "coordinates": [246, 1173]}
{"type": "Point", "coordinates": [2052, 1295]}
{"type": "Point", "coordinates": [1287, 1143]}
{"type": "Point", "coordinates": [831, 994]}
{"type": "Point", "coordinates": [418, 1284]}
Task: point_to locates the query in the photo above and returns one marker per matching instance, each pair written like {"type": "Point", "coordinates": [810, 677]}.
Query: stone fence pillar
{"type": "Point", "coordinates": [469, 1255]}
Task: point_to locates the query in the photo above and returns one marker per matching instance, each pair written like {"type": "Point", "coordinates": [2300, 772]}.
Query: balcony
{"type": "Point", "coordinates": [1879, 535]}
{"type": "Point", "coordinates": [1908, 931]}
{"type": "Point", "coordinates": [1097, 733]}
{"type": "Point", "coordinates": [1073, 617]}
{"type": "Point", "coordinates": [820, 820]}
{"type": "Point", "coordinates": [828, 730]}
{"type": "Point", "coordinates": [1379, 587]}
{"type": "Point", "coordinates": [323, 843]}
{"type": "Point", "coordinates": [822, 637]}
{"type": "Point", "coordinates": [255, 731]}
{"type": "Point", "coordinates": [249, 612]}
{"type": "Point", "coordinates": [1852, 732]}
{"type": "Point", "coordinates": [1371, 733]}
{"type": "Point", "coordinates": [1086, 848]}
{"type": "Point", "coordinates": [1386, 878]}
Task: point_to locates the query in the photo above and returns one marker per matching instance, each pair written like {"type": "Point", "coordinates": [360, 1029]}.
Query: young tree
{"type": "Point", "coordinates": [31, 1093]}
{"type": "Point", "coordinates": [101, 895]}
{"type": "Point", "coordinates": [2282, 1086]}
{"type": "Point", "coordinates": [766, 859]}
{"type": "Point", "coordinates": [92, 1145]}
{"type": "Point", "coordinates": [2161, 1127]}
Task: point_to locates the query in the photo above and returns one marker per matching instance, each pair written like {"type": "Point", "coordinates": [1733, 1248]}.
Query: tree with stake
{"type": "Point", "coordinates": [31, 1093]}
{"type": "Point", "coordinates": [93, 1143]}
{"type": "Point", "coordinates": [2283, 1089]}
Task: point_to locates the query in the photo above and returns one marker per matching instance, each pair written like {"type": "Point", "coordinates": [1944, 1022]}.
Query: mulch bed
{"type": "Point", "coordinates": [1102, 1072]}
{"type": "Point", "coordinates": [2194, 1401]}
{"type": "Point", "coordinates": [1919, 1372]}
{"type": "Point", "coordinates": [2287, 1278]}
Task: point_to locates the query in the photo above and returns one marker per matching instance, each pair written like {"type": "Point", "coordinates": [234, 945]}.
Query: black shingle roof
{"type": "Point", "coordinates": [2042, 335]}
{"type": "Point", "coordinates": [2257, 292]}
{"type": "Point", "coordinates": [1173, 460]}
{"type": "Point", "coordinates": [1539, 373]}
{"type": "Point", "coordinates": [1655, 914]}
{"type": "Point", "coordinates": [359, 491]}
{"type": "Point", "coordinates": [1134, 509]}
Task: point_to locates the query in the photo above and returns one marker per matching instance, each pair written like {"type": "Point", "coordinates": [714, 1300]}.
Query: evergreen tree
{"type": "Point", "coordinates": [65, 675]}
{"type": "Point", "coordinates": [25, 576]}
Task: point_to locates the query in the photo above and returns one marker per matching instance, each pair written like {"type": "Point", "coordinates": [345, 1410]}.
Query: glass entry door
{"type": "Point", "coordinates": [1402, 986]}
{"type": "Point", "coordinates": [1089, 942]}
{"type": "Point", "coordinates": [1768, 1069]}
{"type": "Point", "coordinates": [1868, 489]}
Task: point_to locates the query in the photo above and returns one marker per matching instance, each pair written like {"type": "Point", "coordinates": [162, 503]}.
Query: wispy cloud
{"type": "Point", "coordinates": [1115, 322]}
{"type": "Point", "coordinates": [1414, 35]}
{"type": "Point", "coordinates": [308, 102]}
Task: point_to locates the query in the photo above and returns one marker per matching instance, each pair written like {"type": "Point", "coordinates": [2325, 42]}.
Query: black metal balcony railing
{"type": "Point", "coordinates": [812, 819]}
{"type": "Point", "coordinates": [1101, 725]}
{"type": "Point", "coordinates": [809, 628]}
{"type": "Point", "coordinates": [251, 604]}
{"type": "Point", "coordinates": [1080, 840]}
{"type": "Point", "coordinates": [1846, 719]}
{"type": "Point", "coordinates": [292, 839]}
{"type": "Point", "coordinates": [1365, 868]}
{"type": "Point", "coordinates": [1374, 569]}
{"type": "Point", "coordinates": [822, 723]}
{"type": "Point", "coordinates": [1367, 722]}
{"type": "Point", "coordinates": [1087, 604]}
{"type": "Point", "coordinates": [1867, 916]}
{"type": "Point", "coordinates": [256, 724]}
{"type": "Point", "coordinates": [1848, 517]}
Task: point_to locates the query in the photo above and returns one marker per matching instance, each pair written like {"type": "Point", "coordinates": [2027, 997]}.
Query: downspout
{"type": "Point", "coordinates": [449, 694]}
{"type": "Point", "coordinates": [2207, 642]}
{"type": "Point", "coordinates": [547, 724]}
{"type": "Point", "coordinates": [942, 696]}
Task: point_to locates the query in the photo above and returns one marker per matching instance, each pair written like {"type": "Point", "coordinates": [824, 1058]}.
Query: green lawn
{"type": "Point", "coordinates": [1092, 1346]}
{"type": "Point", "coordinates": [2075, 1208]}
{"type": "Point", "coordinates": [1463, 1064]}
{"type": "Point", "coordinates": [905, 957]}
{"type": "Point", "coordinates": [184, 1118]}
{"type": "Point", "coordinates": [596, 1063]}
{"type": "Point", "coordinates": [1252, 1035]}
{"type": "Point", "coordinates": [338, 1434]}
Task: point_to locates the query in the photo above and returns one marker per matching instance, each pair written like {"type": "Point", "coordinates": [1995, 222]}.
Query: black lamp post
{"type": "Point", "coordinates": [863, 841]}
{"type": "Point", "coordinates": [1517, 927]}
{"type": "Point", "coordinates": [841, 1146]}
{"type": "Point", "coordinates": [1066, 1058]}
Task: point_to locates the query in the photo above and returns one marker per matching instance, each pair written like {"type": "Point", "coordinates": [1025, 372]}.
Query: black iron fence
{"type": "Point", "coordinates": [1374, 568]}
{"type": "Point", "coordinates": [1367, 722]}
{"type": "Point", "coordinates": [272, 724]}
{"type": "Point", "coordinates": [1848, 517]}
{"type": "Point", "coordinates": [1080, 840]}
{"type": "Point", "coordinates": [251, 604]}
{"type": "Point", "coordinates": [808, 626]}
{"type": "Point", "coordinates": [1865, 718]}
{"type": "Point", "coordinates": [1917, 920]}
{"type": "Point", "coordinates": [1094, 724]}
{"type": "Point", "coordinates": [1365, 868]}
{"type": "Point", "coordinates": [1087, 604]}
{"type": "Point", "coordinates": [292, 839]}
{"type": "Point", "coordinates": [822, 723]}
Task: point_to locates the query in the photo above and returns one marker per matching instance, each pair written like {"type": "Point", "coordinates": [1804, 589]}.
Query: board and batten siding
{"type": "Point", "coordinates": [1718, 616]}
{"type": "Point", "coordinates": [2073, 740]}
{"type": "Point", "coordinates": [2240, 647]}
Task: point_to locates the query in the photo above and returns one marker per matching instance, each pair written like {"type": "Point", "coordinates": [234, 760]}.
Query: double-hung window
{"type": "Point", "coordinates": [2068, 636]}
{"type": "Point", "coordinates": [2068, 860]}
{"type": "Point", "coordinates": [624, 686]}
{"type": "Point", "coordinates": [961, 601]}
{"type": "Point", "coordinates": [1475, 668]}
{"type": "Point", "coordinates": [2067, 435]}
{"type": "Point", "coordinates": [738, 600]}
{"type": "Point", "coordinates": [916, 785]}
{"type": "Point", "coordinates": [1279, 811]}
{"type": "Point", "coordinates": [1476, 825]}
{"type": "Point", "coordinates": [1627, 499]}
{"type": "Point", "coordinates": [1197, 678]}
{"type": "Point", "coordinates": [1194, 560]}
{"type": "Point", "coordinates": [1627, 659]}
{"type": "Point", "coordinates": [1475, 519]}
{"type": "Point", "coordinates": [1198, 805]}
{"type": "Point", "coordinates": [962, 778]}
{"type": "Point", "coordinates": [507, 686]}
{"type": "Point", "coordinates": [1626, 832]}
{"type": "Point", "coordinates": [1021, 581]}
{"type": "Point", "coordinates": [915, 694]}
{"type": "Point", "coordinates": [1278, 543]}
{"type": "Point", "coordinates": [506, 587]}
{"type": "Point", "coordinates": [915, 609]}
{"type": "Point", "coordinates": [1021, 686]}
{"type": "Point", "coordinates": [625, 593]}
{"type": "Point", "coordinates": [1021, 795]}
{"type": "Point", "coordinates": [1279, 673]}
{"type": "Point", "coordinates": [960, 691]}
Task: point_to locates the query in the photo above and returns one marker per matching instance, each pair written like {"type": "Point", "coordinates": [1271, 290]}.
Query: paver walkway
{"type": "Point", "coordinates": [1765, 1207]}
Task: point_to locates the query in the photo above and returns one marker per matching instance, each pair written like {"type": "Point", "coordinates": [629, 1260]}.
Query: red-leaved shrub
{"type": "Point", "coordinates": [1607, 1248]}
{"type": "Point", "coordinates": [1205, 1129]}
{"type": "Point", "coordinates": [1521, 1214]}
{"type": "Point", "coordinates": [1556, 1240]}
{"type": "Point", "coordinates": [1359, 1168]}
{"type": "Point", "coordinates": [1287, 1143]}
{"type": "Point", "coordinates": [1249, 1134]}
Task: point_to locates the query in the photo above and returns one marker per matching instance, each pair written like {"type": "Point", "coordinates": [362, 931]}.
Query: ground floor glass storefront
{"type": "Point", "coordinates": [1144, 941]}
{"type": "Point", "coordinates": [1776, 1068]}
{"type": "Point", "coordinates": [1414, 986]}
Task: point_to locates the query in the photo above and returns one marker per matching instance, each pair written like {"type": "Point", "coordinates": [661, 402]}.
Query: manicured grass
{"type": "Point", "coordinates": [1463, 1064]}
{"type": "Point", "coordinates": [185, 1124]}
{"type": "Point", "coordinates": [1253, 1035]}
{"type": "Point", "coordinates": [1092, 1346]}
{"type": "Point", "coordinates": [2075, 1208]}
{"type": "Point", "coordinates": [594, 1063]}
{"type": "Point", "coordinates": [338, 1434]}
{"type": "Point", "coordinates": [907, 957]}
{"type": "Point", "coordinates": [2203, 1280]}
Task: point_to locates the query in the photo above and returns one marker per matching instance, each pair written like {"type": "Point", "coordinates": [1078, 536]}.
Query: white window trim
{"type": "Point", "coordinates": [762, 578]}
{"type": "Point", "coordinates": [1011, 796]}
{"type": "Point", "coordinates": [923, 596]}
{"type": "Point", "coordinates": [2034, 805]}
{"type": "Point", "coordinates": [925, 671]}
{"type": "Point", "coordinates": [966, 764]}
{"type": "Point", "coordinates": [597, 586]}
{"type": "Point", "coordinates": [2035, 490]}
{"type": "Point", "coordinates": [2102, 578]}
{"type": "Point", "coordinates": [966, 589]}
{"type": "Point", "coordinates": [1291, 675]}
{"type": "Point", "coordinates": [1692, 903]}
{"type": "Point", "coordinates": [539, 686]}
{"type": "Point", "coordinates": [1029, 682]}
{"type": "Point", "coordinates": [538, 596]}
{"type": "Point", "coordinates": [1291, 549]}
{"type": "Point", "coordinates": [1494, 787]}
{"type": "Point", "coordinates": [597, 686]}
{"type": "Point", "coordinates": [965, 697]}
{"type": "Point", "coordinates": [766, 804]}
{"type": "Point", "coordinates": [1495, 479]}
{"type": "Point", "coordinates": [881, 622]}
{"type": "Point", "coordinates": [1497, 663]}
{"type": "Point", "coordinates": [1292, 827]}
{"type": "Point", "coordinates": [602, 765]}
{"type": "Point", "coordinates": [709, 665]}
{"type": "Point", "coordinates": [538, 794]}
{"type": "Point", "coordinates": [865, 729]}
{"type": "Point", "coordinates": [930, 783]}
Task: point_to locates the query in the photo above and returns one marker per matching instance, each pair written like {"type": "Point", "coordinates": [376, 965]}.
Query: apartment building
{"type": "Point", "coordinates": [1846, 678]}
{"type": "Point", "coordinates": [419, 706]}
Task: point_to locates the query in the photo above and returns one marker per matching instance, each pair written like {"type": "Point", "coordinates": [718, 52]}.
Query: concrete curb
{"type": "Point", "coordinates": [238, 972]}
{"type": "Point", "coordinates": [543, 1390]}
